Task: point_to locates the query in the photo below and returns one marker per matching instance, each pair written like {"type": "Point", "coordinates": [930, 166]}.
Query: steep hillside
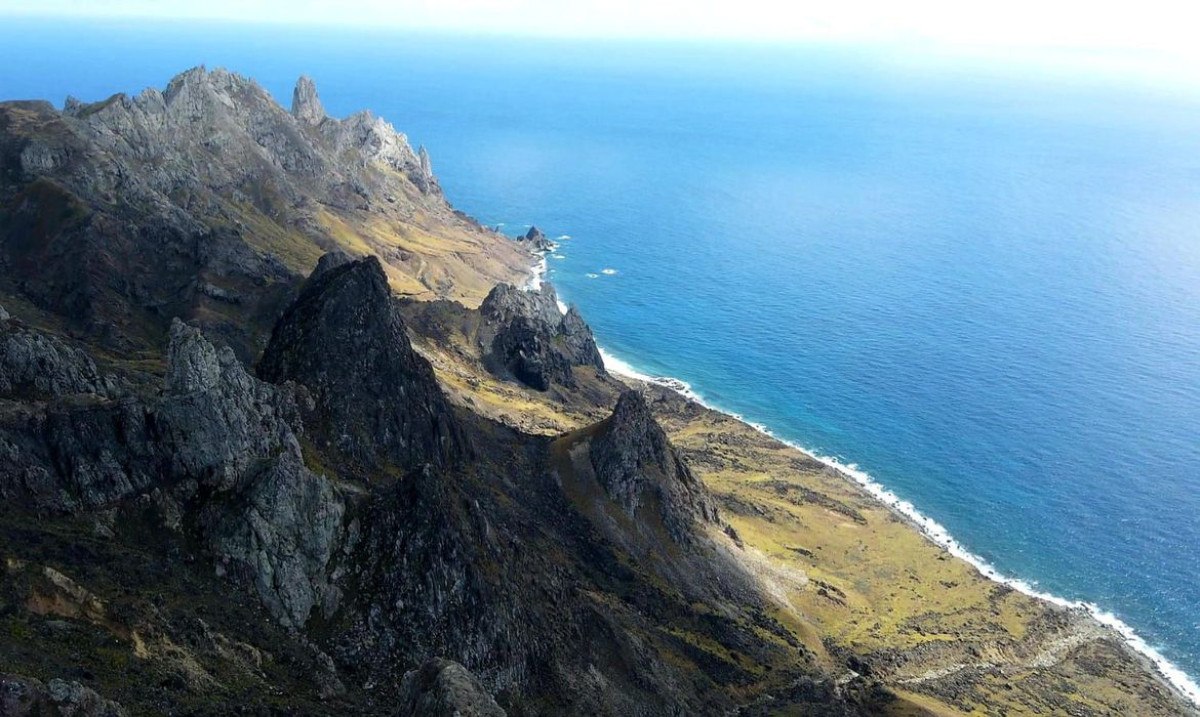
{"type": "Point", "coordinates": [208, 201]}
{"type": "Point", "coordinates": [277, 436]}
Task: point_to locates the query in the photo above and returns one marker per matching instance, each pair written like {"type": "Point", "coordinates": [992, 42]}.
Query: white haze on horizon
{"type": "Point", "coordinates": [1151, 38]}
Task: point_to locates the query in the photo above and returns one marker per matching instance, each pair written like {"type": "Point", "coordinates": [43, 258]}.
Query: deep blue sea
{"type": "Point", "coordinates": [981, 287]}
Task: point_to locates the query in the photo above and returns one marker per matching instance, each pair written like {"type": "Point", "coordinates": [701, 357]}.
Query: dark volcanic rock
{"type": "Point", "coordinates": [376, 400]}
{"type": "Point", "coordinates": [535, 240]}
{"type": "Point", "coordinates": [424, 583]}
{"type": "Point", "coordinates": [441, 688]}
{"type": "Point", "coordinates": [33, 363]}
{"type": "Point", "coordinates": [642, 472]}
{"type": "Point", "coordinates": [524, 335]}
{"type": "Point", "coordinates": [27, 697]}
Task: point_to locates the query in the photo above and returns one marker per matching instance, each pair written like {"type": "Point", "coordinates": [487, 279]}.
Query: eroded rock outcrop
{"type": "Point", "coordinates": [280, 536]}
{"type": "Point", "coordinates": [33, 364]}
{"type": "Point", "coordinates": [218, 444]}
{"type": "Point", "coordinates": [643, 473]}
{"type": "Point", "coordinates": [535, 240]}
{"type": "Point", "coordinates": [27, 697]}
{"type": "Point", "coordinates": [442, 688]}
{"type": "Point", "coordinates": [375, 400]}
{"type": "Point", "coordinates": [215, 420]}
{"type": "Point", "coordinates": [524, 335]}
{"type": "Point", "coordinates": [306, 106]}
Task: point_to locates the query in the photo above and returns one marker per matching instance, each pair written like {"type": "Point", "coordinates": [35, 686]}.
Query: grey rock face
{"type": "Point", "coordinates": [215, 430]}
{"type": "Point", "coordinates": [442, 688]}
{"type": "Point", "coordinates": [376, 400]}
{"type": "Point", "coordinates": [34, 364]}
{"type": "Point", "coordinates": [137, 209]}
{"type": "Point", "coordinates": [424, 177]}
{"type": "Point", "coordinates": [641, 471]}
{"type": "Point", "coordinates": [275, 527]}
{"type": "Point", "coordinates": [306, 106]}
{"type": "Point", "coordinates": [217, 420]}
{"type": "Point", "coordinates": [27, 697]}
{"type": "Point", "coordinates": [524, 335]}
{"type": "Point", "coordinates": [281, 535]}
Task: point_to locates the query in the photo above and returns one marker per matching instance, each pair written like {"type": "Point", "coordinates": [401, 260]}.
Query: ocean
{"type": "Point", "coordinates": [980, 288]}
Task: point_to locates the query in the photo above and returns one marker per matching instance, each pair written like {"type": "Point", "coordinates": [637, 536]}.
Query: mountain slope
{"type": "Point", "coordinates": [428, 495]}
{"type": "Point", "coordinates": [208, 201]}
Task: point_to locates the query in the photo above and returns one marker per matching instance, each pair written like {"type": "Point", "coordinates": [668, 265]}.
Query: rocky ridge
{"type": "Point", "coordinates": [208, 201]}
{"type": "Point", "coordinates": [331, 532]}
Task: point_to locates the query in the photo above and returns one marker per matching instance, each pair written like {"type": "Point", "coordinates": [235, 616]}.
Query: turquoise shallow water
{"type": "Point", "coordinates": [982, 289]}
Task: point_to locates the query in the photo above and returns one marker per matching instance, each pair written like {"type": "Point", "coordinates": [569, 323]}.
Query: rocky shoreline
{"type": "Point", "coordinates": [1134, 647]}
{"type": "Point", "coordinates": [1169, 675]}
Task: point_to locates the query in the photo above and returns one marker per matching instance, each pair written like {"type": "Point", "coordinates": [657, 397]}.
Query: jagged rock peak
{"type": "Point", "coordinates": [328, 262]}
{"type": "Point", "coordinates": [192, 362]}
{"type": "Point", "coordinates": [536, 240]}
{"type": "Point", "coordinates": [423, 177]}
{"type": "Point", "coordinates": [306, 105]}
{"type": "Point", "coordinates": [220, 81]}
{"type": "Point", "coordinates": [525, 335]}
{"type": "Point", "coordinates": [377, 401]}
{"type": "Point", "coordinates": [442, 688]}
{"type": "Point", "coordinates": [638, 467]}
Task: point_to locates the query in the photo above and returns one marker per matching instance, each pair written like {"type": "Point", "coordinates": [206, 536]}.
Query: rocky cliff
{"type": "Point", "coordinates": [208, 201]}
{"type": "Point", "coordinates": [524, 336]}
{"type": "Point", "coordinates": [378, 402]}
{"type": "Point", "coordinates": [366, 522]}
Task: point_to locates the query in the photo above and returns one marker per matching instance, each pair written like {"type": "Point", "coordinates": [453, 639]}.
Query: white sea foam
{"type": "Point", "coordinates": [608, 272]}
{"type": "Point", "coordinates": [937, 533]}
{"type": "Point", "coordinates": [564, 237]}
{"type": "Point", "coordinates": [537, 274]}
{"type": "Point", "coordinates": [933, 530]}
{"type": "Point", "coordinates": [558, 256]}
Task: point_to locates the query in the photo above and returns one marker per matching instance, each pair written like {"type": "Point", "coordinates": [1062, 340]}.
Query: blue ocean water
{"type": "Point", "coordinates": [983, 288]}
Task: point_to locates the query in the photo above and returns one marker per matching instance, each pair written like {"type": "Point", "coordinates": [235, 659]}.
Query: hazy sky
{"type": "Point", "coordinates": [1157, 25]}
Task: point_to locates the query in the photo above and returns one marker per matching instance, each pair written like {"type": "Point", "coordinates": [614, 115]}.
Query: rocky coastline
{"type": "Point", "coordinates": [280, 434]}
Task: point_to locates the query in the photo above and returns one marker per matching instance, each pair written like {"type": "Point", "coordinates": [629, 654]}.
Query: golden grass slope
{"type": "Point", "coordinates": [857, 584]}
